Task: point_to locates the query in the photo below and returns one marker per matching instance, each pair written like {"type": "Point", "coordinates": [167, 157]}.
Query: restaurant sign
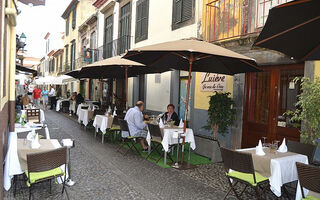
{"type": "Point", "coordinates": [211, 82]}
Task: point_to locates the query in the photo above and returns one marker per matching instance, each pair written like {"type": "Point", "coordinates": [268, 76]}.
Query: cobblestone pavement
{"type": "Point", "coordinates": [101, 172]}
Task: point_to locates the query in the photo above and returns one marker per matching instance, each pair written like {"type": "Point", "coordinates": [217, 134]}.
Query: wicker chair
{"type": "Point", "coordinates": [128, 140]}
{"type": "Point", "coordinates": [45, 166]}
{"type": "Point", "coordinates": [33, 115]}
{"type": "Point", "coordinates": [301, 148]}
{"type": "Point", "coordinates": [239, 167]}
{"type": "Point", "coordinates": [309, 177]}
{"type": "Point", "coordinates": [65, 106]}
{"type": "Point", "coordinates": [156, 138]}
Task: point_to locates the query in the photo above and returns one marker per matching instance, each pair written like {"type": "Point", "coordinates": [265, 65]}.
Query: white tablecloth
{"type": "Point", "coordinates": [168, 138]}
{"type": "Point", "coordinates": [283, 170]}
{"type": "Point", "coordinates": [59, 104]}
{"type": "Point", "coordinates": [27, 128]}
{"type": "Point", "coordinates": [12, 165]}
{"type": "Point", "coordinates": [84, 115]}
{"type": "Point", "coordinates": [42, 117]}
{"type": "Point", "coordinates": [72, 106]}
{"type": "Point", "coordinates": [102, 122]}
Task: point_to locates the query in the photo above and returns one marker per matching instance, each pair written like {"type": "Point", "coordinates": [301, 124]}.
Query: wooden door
{"type": "Point", "coordinates": [268, 95]}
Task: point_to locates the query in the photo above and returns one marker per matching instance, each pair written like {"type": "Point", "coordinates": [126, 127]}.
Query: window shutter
{"type": "Point", "coordinates": [144, 20]}
{"type": "Point", "coordinates": [138, 20]}
{"type": "Point", "coordinates": [74, 16]}
{"type": "Point", "coordinates": [186, 10]}
{"type": "Point", "coordinates": [178, 11]}
{"type": "Point", "coordinates": [67, 26]}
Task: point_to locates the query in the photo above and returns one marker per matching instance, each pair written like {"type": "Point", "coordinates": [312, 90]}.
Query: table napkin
{"type": "Point", "coordinates": [35, 142]}
{"type": "Point", "coordinates": [161, 124]}
{"type": "Point", "coordinates": [114, 113]}
{"type": "Point", "coordinates": [109, 110]}
{"type": "Point", "coordinates": [30, 135]}
{"type": "Point", "coordinates": [67, 142]}
{"type": "Point", "coordinates": [259, 149]}
{"type": "Point", "coordinates": [283, 147]}
{"type": "Point", "coordinates": [181, 124]}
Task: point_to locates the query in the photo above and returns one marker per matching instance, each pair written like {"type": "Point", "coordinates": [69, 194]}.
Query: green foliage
{"type": "Point", "coordinates": [308, 109]}
{"type": "Point", "coordinates": [221, 113]}
{"type": "Point", "coordinates": [59, 92]}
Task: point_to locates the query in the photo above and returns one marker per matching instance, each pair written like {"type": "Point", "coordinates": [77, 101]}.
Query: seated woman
{"type": "Point", "coordinates": [171, 115]}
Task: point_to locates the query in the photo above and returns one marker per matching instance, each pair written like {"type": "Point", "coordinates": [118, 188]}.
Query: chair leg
{"type": "Point", "coordinates": [233, 189]}
{"type": "Point", "coordinates": [134, 146]}
{"type": "Point", "coordinates": [15, 185]}
{"type": "Point", "coordinates": [257, 193]}
{"type": "Point", "coordinates": [50, 191]}
{"type": "Point", "coordinates": [30, 188]}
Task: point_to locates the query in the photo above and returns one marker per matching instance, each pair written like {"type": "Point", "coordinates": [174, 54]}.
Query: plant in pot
{"type": "Point", "coordinates": [220, 113]}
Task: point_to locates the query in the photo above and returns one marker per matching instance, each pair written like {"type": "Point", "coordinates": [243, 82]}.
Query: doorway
{"type": "Point", "coordinates": [268, 95]}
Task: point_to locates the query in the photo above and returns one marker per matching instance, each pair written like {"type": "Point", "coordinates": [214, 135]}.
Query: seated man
{"type": "Point", "coordinates": [137, 127]}
{"type": "Point", "coordinates": [171, 115]}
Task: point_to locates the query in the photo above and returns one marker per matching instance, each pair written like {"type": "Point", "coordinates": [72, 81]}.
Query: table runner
{"type": "Point", "coordinates": [24, 149]}
{"type": "Point", "coordinates": [262, 163]}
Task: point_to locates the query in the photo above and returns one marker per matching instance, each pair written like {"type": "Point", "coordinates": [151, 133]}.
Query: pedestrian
{"type": "Point", "coordinates": [52, 96]}
{"type": "Point", "coordinates": [36, 96]}
{"type": "Point", "coordinates": [44, 94]}
{"type": "Point", "coordinates": [30, 91]}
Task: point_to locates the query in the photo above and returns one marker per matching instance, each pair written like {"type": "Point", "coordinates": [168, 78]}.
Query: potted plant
{"type": "Point", "coordinates": [220, 113]}
{"type": "Point", "coordinates": [220, 116]}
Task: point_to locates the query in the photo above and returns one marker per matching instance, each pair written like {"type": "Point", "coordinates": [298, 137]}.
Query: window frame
{"type": "Point", "coordinates": [182, 23]}
{"type": "Point", "coordinates": [140, 37]}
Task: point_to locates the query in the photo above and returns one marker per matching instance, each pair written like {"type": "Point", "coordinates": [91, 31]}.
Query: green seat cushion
{"type": "Point", "coordinates": [247, 177]}
{"type": "Point", "coordinates": [311, 198]}
{"type": "Point", "coordinates": [115, 128]}
{"type": "Point", "coordinates": [35, 176]}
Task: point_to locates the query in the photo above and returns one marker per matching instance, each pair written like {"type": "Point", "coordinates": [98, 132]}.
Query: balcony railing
{"type": "Point", "coordinates": [230, 19]}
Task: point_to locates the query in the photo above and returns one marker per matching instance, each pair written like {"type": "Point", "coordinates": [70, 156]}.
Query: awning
{"type": "Point", "coordinates": [25, 69]}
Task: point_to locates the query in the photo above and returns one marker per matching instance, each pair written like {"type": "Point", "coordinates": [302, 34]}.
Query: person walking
{"type": "Point", "coordinates": [36, 96]}
{"type": "Point", "coordinates": [52, 95]}
{"type": "Point", "coordinates": [44, 94]}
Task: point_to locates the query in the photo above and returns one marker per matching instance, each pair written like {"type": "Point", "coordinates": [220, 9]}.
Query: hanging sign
{"type": "Point", "coordinates": [88, 55]}
{"type": "Point", "coordinates": [211, 82]}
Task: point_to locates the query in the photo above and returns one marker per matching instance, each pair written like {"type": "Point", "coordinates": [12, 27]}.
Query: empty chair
{"type": "Point", "coordinates": [309, 178]}
{"type": "Point", "coordinates": [302, 148]}
{"type": "Point", "coordinates": [156, 139]}
{"type": "Point", "coordinates": [239, 167]}
{"type": "Point", "coordinates": [65, 106]}
{"type": "Point", "coordinates": [45, 166]}
{"type": "Point", "coordinates": [33, 115]}
{"type": "Point", "coordinates": [128, 140]}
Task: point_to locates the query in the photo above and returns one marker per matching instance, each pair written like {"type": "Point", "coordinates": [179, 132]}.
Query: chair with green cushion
{"type": "Point", "coordinates": [45, 166]}
{"type": "Point", "coordinates": [309, 178]}
{"type": "Point", "coordinates": [115, 128]}
{"type": "Point", "coordinates": [239, 167]}
{"type": "Point", "coordinates": [129, 141]}
{"type": "Point", "coordinates": [156, 138]}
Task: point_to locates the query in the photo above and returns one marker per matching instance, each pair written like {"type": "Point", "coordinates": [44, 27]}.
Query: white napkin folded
{"type": "Point", "coordinates": [259, 149]}
{"type": "Point", "coordinates": [114, 113]}
{"type": "Point", "coordinates": [31, 135]}
{"type": "Point", "coordinates": [35, 142]}
{"type": "Point", "coordinates": [283, 147]}
{"type": "Point", "coordinates": [67, 142]}
{"type": "Point", "coordinates": [181, 124]}
{"type": "Point", "coordinates": [115, 108]}
{"type": "Point", "coordinates": [109, 110]}
{"type": "Point", "coordinates": [161, 124]}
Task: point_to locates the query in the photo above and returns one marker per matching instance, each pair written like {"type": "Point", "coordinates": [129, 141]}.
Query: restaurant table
{"type": "Point", "coordinates": [169, 139]}
{"type": "Point", "coordinates": [29, 127]}
{"type": "Point", "coordinates": [102, 122]}
{"type": "Point", "coordinates": [84, 115]}
{"type": "Point", "coordinates": [42, 117]}
{"type": "Point", "coordinates": [15, 160]}
{"type": "Point", "coordinates": [59, 104]}
{"type": "Point", "coordinates": [280, 168]}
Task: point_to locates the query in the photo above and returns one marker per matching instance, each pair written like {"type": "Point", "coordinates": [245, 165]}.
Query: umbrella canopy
{"type": "Point", "coordinates": [74, 73]}
{"type": "Point", "coordinates": [46, 80]}
{"type": "Point", "coordinates": [293, 28]}
{"type": "Point", "coordinates": [206, 57]}
{"type": "Point", "coordinates": [63, 79]}
{"type": "Point", "coordinates": [192, 55]}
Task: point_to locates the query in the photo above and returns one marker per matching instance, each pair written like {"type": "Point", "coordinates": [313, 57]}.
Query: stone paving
{"type": "Point", "coordinates": [101, 172]}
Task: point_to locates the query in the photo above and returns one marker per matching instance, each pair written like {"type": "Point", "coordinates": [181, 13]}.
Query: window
{"type": "Point", "coordinates": [74, 17]}
{"type": "Point", "coordinates": [142, 13]}
{"type": "Point", "coordinates": [124, 39]}
{"type": "Point", "coordinates": [66, 55]}
{"type": "Point", "coordinates": [93, 47]}
{"type": "Point", "coordinates": [183, 12]}
{"type": "Point", "coordinates": [61, 62]}
{"type": "Point", "coordinates": [67, 26]}
{"type": "Point", "coordinates": [72, 55]}
{"type": "Point", "coordinates": [107, 51]}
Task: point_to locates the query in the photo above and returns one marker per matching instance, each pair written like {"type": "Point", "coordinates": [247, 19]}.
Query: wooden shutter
{"type": "Point", "coordinates": [177, 11]}
{"type": "Point", "coordinates": [142, 14]}
{"type": "Point", "coordinates": [108, 37]}
{"type": "Point", "coordinates": [186, 10]}
{"type": "Point", "coordinates": [138, 20]}
{"type": "Point", "coordinates": [67, 26]}
{"type": "Point", "coordinates": [74, 16]}
{"type": "Point", "coordinates": [124, 40]}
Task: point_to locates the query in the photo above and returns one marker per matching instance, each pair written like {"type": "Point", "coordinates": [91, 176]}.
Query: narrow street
{"type": "Point", "coordinates": [101, 172]}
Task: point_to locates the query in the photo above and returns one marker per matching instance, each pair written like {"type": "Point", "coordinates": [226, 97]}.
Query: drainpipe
{"type": "Point", "coordinates": [11, 13]}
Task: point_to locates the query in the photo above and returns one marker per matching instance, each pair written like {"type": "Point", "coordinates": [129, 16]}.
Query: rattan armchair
{"type": "Point", "coordinates": [33, 115]}
{"type": "Point", "coordinates": [45, 166]}
{"type": "Point", "coordinates": [302, 148]}
{"type": "Point", "coordinates": [239, 167]}
{"type": "Point", "coordinates": [129, 141]}
{"type": "Point", "coordinates": [309, 178]}
{"type": "Point", "coordinates": [156, 139]}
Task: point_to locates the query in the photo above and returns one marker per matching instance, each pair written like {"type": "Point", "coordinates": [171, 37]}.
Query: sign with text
{"type": "Point", "coordinates": [211, 82]}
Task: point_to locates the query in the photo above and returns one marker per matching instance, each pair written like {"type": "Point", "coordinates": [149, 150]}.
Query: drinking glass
{"type": "Point", "coordinates": [264, 141]}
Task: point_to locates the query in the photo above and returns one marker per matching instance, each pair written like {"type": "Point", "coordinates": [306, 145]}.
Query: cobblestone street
{"type": "Point", "coordinates": [101, 172]}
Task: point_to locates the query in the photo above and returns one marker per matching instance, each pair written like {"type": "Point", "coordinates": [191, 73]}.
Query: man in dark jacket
{"type": "Point", "coordinates": [171, 115]}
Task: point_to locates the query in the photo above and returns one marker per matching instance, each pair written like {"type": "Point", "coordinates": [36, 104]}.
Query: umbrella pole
{"type": "Point", "coordinates": [191, 59]}
{"type": "Point", "coordinates": [101, 93]}
{"type": "Point", "coordinates": [126, 85]}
